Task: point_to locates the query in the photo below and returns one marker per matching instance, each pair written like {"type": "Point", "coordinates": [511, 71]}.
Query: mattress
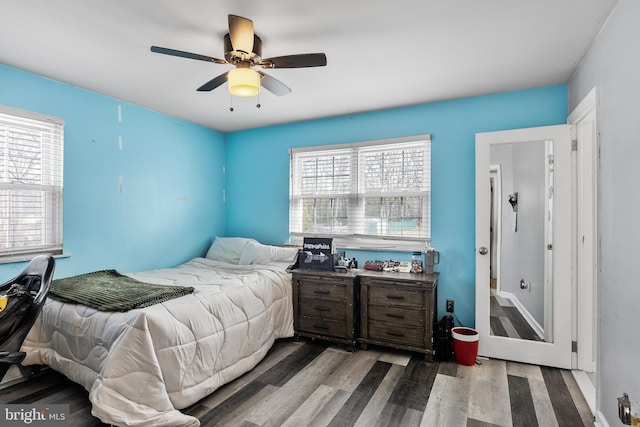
{"type": "Point", "coordinates": [140, 367]}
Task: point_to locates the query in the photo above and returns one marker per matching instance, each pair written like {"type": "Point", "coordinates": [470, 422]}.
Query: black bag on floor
{"type": "Point", "coordinates": [443, 341]}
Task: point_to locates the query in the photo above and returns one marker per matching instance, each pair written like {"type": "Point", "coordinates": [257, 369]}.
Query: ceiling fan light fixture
{"type": "Point", "coordinates": [244, 82]}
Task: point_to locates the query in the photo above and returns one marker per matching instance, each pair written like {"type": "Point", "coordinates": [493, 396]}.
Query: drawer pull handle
{"type": "Point", "coordinates": [398, 297]}
{"type": "Point", "coordinates": [395, 334]}
{"type": "Point", "coordinates": [322, 308]}
{"type": "Point", "coordinates": [395, 316]}
{"type": "Point", "coordinates": [321, 292]}
{"type": "Point", "coordinates": [324, 328]}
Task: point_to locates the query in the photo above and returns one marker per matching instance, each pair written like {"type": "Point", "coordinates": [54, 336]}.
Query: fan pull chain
{"type": "Point", "coordinates": [258, 104]}
{"type": "Point", "coordinates": [231, 102]}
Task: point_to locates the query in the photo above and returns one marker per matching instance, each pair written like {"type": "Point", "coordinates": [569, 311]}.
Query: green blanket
{"type": "Point", "coordinates": [108, 290]}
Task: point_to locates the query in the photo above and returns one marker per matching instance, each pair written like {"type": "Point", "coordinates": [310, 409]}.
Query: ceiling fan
{"type": "Point", "coordinates": [243, 49]}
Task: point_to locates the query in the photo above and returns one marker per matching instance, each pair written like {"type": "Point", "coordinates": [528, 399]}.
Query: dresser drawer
{"type": "Point", "coordinates": [401, 315]}
{"type": "Point", "coordinates": [329, 291]}
{"type": "Point", "coordinates": [397, 333]}
{"type": "Point", "coordinates": [323, 308]}
{"type": "Point", "coordinates": [396, 296]}
{"type": "Point", "coordinates": [323, 326]}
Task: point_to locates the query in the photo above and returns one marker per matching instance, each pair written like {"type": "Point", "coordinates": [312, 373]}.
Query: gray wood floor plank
{"type": "Point", "coordinates": [448, 368]}
{"type": "Point", "coordinates": [563, 405]}
{"type": "Point", "coordinates": [246, 411]}
{"type": "Point", "coordinates": [448, 404]}
{"type": "Point", "coordinates": [275, 356]}
{"type": "Point", "coordinates": [414, 387]}
{"type": "Point", "coordinates": [351, 373]}
{"type": "Point", "coordinates": [472, 422]}
{"type": "Point", "coordinates": [221, 412]}
{"type": "Point", "coordinates": [329, 411]}
{"type": "Point", "coordinates": [374, 407]}
{"type": "Point", "coordinates": [411, 418]}
{"type": "Point", "coordinates": [577, 398]}
{"type": "Point", "coordinates": [523, 413]}
{"type": "Point", "coordinates": [541, 400]}
{"type": "Point", "coordinates": [391, 415]}
{"type": "Point", "coordinates": [29, 391]}
{"type": "Point", "coordinates": [489, 392]}
{"type": "Point", "coordinates": [284, 402]}
{"type": "Point", "coordinates": [359, 398]}
{"type": "Point", "coordinates": [308, 413]}
{"type": "Point", "coordinates": [83, 418]}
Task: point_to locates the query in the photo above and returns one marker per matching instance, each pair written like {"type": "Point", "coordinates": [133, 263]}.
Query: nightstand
{"type": "Point", "coordinates": [398, 310]}
{"type": "Point", "coordinates": [325, 305]}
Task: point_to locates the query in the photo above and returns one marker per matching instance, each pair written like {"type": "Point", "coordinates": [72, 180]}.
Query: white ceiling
{"type": "Point", "coordinates": [380, 54]}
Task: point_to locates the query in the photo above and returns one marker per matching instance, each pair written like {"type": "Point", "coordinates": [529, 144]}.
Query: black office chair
{"type": "Point", "coordinates": [22, 299]}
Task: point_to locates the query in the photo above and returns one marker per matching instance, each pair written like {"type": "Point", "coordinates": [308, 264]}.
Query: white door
{"type": "Point", "coordinates": [529, 319]}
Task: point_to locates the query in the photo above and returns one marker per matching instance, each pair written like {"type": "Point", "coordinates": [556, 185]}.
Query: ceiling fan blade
{"type": "Point", "coordinates": [214, 83]}
{"type": "Point", "coordinates": [295, 61]}
{"type": "Point", "coordinates": [241, 33]}
{"type": "Point", "coordinates": [188, 55]}
{"type": "Point", "coordinates": [273, 85]}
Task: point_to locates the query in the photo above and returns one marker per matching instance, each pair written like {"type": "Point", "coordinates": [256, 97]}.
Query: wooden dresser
{"type": "Point", "coordinates": [398, 310]}
{"type": "Point", "coordinates": [325, 305]}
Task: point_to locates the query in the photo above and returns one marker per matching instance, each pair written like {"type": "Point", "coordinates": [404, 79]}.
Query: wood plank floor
{"type": "Point", "coordinates": [311, 383]}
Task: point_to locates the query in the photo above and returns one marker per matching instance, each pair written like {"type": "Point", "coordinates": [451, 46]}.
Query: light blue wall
{"type": "Point", "coordinates": [170, 205]}
{"type": "Point", "coordinates": [257, 179]}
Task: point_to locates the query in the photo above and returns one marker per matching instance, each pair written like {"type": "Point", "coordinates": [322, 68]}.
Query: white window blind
{"type": "Point", "coordinates": [31, 166]}
{"type": "Point", "coordinates": [372, 194]}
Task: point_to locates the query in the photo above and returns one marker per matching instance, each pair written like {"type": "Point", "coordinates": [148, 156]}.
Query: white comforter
{"type": "Point", "coordinates": [141, 366]}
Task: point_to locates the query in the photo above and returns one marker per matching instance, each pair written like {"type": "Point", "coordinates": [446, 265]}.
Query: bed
{"type": "Point", "coordinates": [141, 366]}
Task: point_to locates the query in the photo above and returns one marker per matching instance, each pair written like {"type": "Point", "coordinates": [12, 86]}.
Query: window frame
{"type": "Point", "coordinates": [48, 190]}
{"type": "Point", "coordinates": [357, 239]}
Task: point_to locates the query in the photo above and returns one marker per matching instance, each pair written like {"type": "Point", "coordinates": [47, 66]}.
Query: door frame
{"type": "Point", "coordinates": [583, 122]}
{"type": "Point", "coordinates": [558, 352]}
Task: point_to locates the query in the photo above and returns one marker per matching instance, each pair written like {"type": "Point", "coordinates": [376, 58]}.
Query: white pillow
{"type": "Point", "coordinates": [276, 256]}
{"type": "Point", "coordinates": [227, 249]}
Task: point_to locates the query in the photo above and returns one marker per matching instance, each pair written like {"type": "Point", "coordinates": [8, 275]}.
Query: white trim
{"type": "Point", "coordinates": [585, 106]}
{"type": "Point", "coordinates": [496, 170]}
{"type": "Point", "coordinates": [584, 238]}
{"type": "Point", "coordinates": [12, 111]}
{"type": "Point", "coordinates": [421, 137]}
{"type": "Point", "coordinates": [600, 421]}
{"type": "Point", "coordinates": [586, 388]}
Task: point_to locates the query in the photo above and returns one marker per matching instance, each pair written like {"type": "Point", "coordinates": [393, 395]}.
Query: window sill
{"type": "Point", "coordinates": [26, 258]}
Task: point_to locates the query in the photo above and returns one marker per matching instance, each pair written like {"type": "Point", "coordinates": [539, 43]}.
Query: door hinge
{"type": "Point", "coordinates": [550, 246]}
{"type": "Point", "coordinates": [574, 346]}
{"type": "Point", "coordinates": [574, 145]}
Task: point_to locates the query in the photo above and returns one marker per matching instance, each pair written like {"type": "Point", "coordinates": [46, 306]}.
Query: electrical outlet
{"type": "Point", "coordinates": [449, 306]}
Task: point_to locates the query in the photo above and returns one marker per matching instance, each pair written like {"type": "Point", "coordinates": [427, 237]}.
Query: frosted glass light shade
{"type": "Point", "coordinates": [243, 82]}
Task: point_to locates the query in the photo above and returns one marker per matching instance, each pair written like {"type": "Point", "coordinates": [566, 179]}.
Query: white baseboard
{"type": "Point", "coordinates": [600, 420]}
{"type": "Point", "coordinates": [587, 389]}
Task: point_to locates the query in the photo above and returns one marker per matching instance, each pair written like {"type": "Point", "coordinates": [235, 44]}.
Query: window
{"type": "Point", "coordinates": [365, 195]}
{"type": "Point", "coordinates": [31, 159]}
